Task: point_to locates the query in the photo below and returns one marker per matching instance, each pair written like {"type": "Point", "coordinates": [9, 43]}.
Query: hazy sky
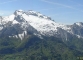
{"type": "Point", "coordinates": [62, 11]}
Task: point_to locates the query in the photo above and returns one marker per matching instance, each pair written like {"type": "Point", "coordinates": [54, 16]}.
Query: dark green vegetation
{"type": "Point", "coordinates": [34, 48]}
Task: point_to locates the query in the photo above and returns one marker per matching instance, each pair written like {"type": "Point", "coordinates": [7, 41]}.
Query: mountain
{"type": "Point", "coordinates": [34, 36]}
{"type": "Point", "coordinates": [21, 22]}
{"type": "Point", "coordinates": [30, 21]}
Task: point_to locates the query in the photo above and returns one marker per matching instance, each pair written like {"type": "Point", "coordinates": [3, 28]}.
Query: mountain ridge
{"type": "Point", "coordinates": [39, 24]}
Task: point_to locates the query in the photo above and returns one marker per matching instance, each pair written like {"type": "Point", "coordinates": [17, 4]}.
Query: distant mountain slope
{"type": "Point", "coordinates": [34, 48]}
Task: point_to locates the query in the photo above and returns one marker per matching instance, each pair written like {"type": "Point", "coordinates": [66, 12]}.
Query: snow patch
{"type": "Point", "coordinates": [41, 24]}
{"type": "Point", "coordinates": [78, 36]}
{"type": "Point", "coordinates": [15, 22]}
{"type": "Point", "coordinates": [21, 36]}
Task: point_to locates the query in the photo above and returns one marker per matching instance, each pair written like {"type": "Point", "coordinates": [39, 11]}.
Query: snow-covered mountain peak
{"type": "Point", "coordinates": [31, 12]}
{"type": "Point", "coordinates": [43, 24]}
{"type": "Point", "coordinates": [18, 12]}
{"type": "Point", "coordinates": [37, 14]}
{"type": "Point", "coordinates": [79, 23]}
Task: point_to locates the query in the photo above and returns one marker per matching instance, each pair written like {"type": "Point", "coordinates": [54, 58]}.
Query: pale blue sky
{"type": "Point", "coordinates": [62, 11]}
